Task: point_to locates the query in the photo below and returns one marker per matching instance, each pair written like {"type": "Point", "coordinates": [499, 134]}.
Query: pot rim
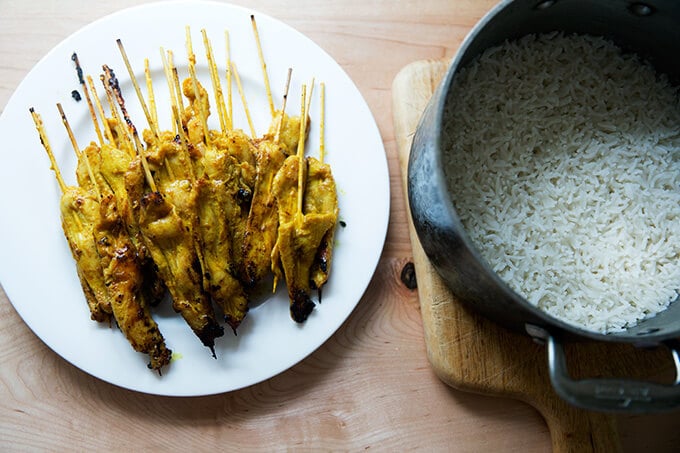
{"type": "Point", "coordinates": [552, 324]}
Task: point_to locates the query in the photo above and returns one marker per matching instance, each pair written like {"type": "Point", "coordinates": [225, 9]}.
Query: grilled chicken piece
{"type": "Point", "coordinates": [301, 234]}
{"type": "Point", "coordinates": [221, 164]}
{"type": "Point", "coordinates": [260, 233]}
{"type": "Point", "coordinates": [242, 154]}
{"type": "Point", "coordinates": [321, 198]}
{"type": "Point", "coordinates": [197, 107]}
{"type": "Point", "coordinates": [114, 165]}
{"type": "Point", "coordinates": [171, 243]}
{"type": "Point", "coordinates": [167, 157]}
{"type": "Point", "coordinates": [221, 215]}
{"type": "Point", "coordinates": [83, 176]}
{"type": "Point", "coordinates": [220, 281]}
{"type": "Point", "coordinates": [79, 214]}
{"type": "Point", "coordinates": [289, 131]}
{"type": "Point", "coordinates": [124, 278]}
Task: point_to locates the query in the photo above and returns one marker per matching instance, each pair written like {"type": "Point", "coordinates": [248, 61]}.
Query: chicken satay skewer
{"type": "Point", "coordinates": [123, 274]}
{"type": "Point", "coordinates": [219, 214]}
{"type": "Point", "coordinates": [78, 212]}
{"type": "Point", "coordinates": [117, 162]}
{"type": "Point", "coordinates": [305, 193]}
{"type": "Point", "coordinates": [290, 255]}
{"type": "Point", "coordinates": [322, 200]}
{"type": "Point", "coordinates": [260, 231]}
{"type": "Point", "coordinates": [275, 251]}
{"type": "Point", "coordinates": [171, 244]}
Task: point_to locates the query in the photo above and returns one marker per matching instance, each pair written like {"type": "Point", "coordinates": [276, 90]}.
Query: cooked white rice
{"type": "Point", "coordinates": [564, 166]}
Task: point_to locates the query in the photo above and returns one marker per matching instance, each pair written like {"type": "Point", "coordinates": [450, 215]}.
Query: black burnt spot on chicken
{"type": "Point", "coordinates": [208, 333]}
{"type": "Point", "coordinates": [244, 196]}
{"type": "Point", "coordinates": [233, 322]}
{"type": "Point", "coordinates": [301, 306]}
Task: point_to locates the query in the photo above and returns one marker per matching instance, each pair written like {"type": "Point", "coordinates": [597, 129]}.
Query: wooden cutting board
{"type": "Point", "coordinates": [473, 354]}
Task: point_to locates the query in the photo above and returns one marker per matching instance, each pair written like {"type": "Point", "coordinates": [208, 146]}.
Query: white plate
{"type": "Point", "coordinates": [36, 269]}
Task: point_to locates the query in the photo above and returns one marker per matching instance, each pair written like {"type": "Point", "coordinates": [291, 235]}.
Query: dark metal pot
{"type": "Point", "coordinates": [652, 30]}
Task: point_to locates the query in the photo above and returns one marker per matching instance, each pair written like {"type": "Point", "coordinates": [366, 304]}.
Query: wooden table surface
{"type": "Point", "coordinates": [370, 385]}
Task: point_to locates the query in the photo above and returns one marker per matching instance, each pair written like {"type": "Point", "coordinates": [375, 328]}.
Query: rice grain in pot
{"type": "Point", "coordinates": [562, 157]}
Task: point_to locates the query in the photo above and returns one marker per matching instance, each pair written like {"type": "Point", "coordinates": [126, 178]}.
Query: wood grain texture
{"type": "Point", "coordinates": [369, 386]}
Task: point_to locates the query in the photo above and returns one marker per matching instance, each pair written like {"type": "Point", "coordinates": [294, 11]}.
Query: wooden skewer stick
{"type": "Point", "coordinates": [203, 116]}
{"type": "Point", "coordinates": [217, 86]}
{"type": "Point", "coordinates": [174, 78]}
{"type": "Point", "coordinates": [169, 78]}
{"type": "Point", "coordinates": [178, 89]}
{"type": "Point", "coordinates": [53, 162]}
{"type": "Point", "coordinates": [279, 126]}
{"type": "Point", "coordinates": [145, 165]}
{"type": "Point", "coordinates": [79, 154]}
{"type": "Point", "coordinates": [230, 109]}
{"type": "Point", "coordinates": [175, 104]}
{"type": "Point", "coordinates": [123, 138]}
{"type": "Point", "coordinates": [46, 144]}
{"type": "Point", "coordinates": [309, 102]}
{"type": "Point", "coordinates": [93, 115]}
{"type": "Point", "coordinates": [69, 132]}
{"type": "Point", "coordinates": [150, 93]}
{"type": "Point", "coordinates": [243, 99]}
{"type": "Point", "coordinates": [322, 123]}
{"type": "Point", "coordinates": [263, 65]}
{"type": "Point", "coordinates": [175, 97]}
{"type": "Point", "coordinates": [301, 153]}
{"type": "Point", "coordinates": [152, 108]}
{"type": "Point", "coordinates": [149, 119]}
{"type": "Point", "coordinates": [100, 109]}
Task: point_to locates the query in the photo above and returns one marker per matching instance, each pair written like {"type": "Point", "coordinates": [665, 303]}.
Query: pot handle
{"type": "Point", "coordinates": [612, 395]}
